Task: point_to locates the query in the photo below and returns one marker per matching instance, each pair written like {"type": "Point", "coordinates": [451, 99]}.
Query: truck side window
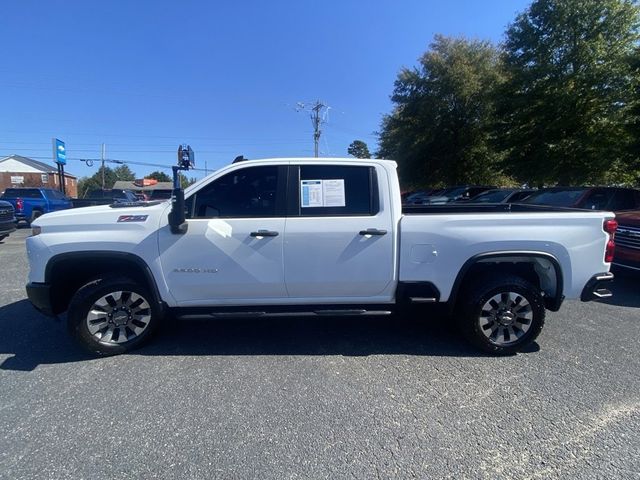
{"type": "Point", "coordinates": [249, 192]}
{"type": "Point", "coordinates": [356, 185]}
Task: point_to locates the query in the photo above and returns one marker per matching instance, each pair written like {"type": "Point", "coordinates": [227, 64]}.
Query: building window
{"type": "Point", "coordinates": [44, 178]}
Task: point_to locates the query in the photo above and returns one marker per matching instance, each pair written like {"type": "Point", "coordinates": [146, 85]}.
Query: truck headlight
{"type": "Point", "coordinates": [35, 231]}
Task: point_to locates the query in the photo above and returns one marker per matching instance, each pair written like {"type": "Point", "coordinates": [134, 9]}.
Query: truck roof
{"type": "Point", "coordinates": [298, 160]}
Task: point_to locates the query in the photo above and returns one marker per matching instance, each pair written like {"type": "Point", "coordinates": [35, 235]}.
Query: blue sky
{"type": "Point", "coordinates": [224, 77]}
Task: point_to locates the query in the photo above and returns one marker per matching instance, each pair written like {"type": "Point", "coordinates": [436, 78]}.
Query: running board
{"type": "Point", "coordinates": [316, 313]}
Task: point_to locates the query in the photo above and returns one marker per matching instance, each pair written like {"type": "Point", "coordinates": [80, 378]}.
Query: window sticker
{"type": "Point", "coordinates": [333, 193]}
{"type": "Point", "coordinates": [322, 193]}
{"type": "Point", "coordinates": [311, 192]}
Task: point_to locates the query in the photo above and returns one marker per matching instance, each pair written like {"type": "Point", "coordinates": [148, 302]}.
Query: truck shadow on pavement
{"type": "Point", "coordinates": [625, 289]}
{"type": "Point", "coordinates": [32, 339]}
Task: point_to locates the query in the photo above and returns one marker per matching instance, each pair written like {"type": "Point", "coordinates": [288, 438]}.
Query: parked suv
{"type": "Point", "coordinates": [613, 199]}
{"type": "Point", "coordinates": [7, 219]}
{"type": "Point", "coordinates": [627, 253]}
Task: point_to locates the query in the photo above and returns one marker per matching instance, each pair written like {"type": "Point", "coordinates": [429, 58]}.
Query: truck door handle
{"type": "Point", "coordinates": [373, 231]}
{"type": "Point", "coordinates": [264, 233]}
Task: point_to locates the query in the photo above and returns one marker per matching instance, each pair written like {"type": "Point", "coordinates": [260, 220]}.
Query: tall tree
{"type": "Point", "coordinates": [123, 172]}
{"type": "Point", "coordinates": [634, 124]}
{"type": "Point", "coordinates": [440, 130]}
{"type": "Point", "coordinates": [569, 90]}
{"type": "Point", "coordinates": [359, 149]}
{"type": "Point", "coordinates": [159, 176]}
{"type": "Point", "coordinates": [94, 182]}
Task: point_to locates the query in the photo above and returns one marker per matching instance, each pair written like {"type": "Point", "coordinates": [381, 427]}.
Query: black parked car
{"type": "Point", "coordinates": [613, 199]}
{"type": "Point", "coordinates": [453, 194]}
{"type": "Point", "coordinates": [502, 195]}
{"type": "Point", "coordinates": [7, 219]}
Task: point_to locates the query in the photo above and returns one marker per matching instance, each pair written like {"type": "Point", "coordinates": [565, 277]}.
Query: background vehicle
{"type": "Point", "coordinates": [30, 203]}
{"type": "Point", "coordinates": [7, 219]}
{"type": "Point", "coordinates": [417, 196]}
{"type": "Point", "coordinates": [502, 195]}
{"type": "Point", "coordinates": [313, 237]}
{"type": "Point", "coordinates": [159, 194]}
{"type": "Point", "coordinates": [613, 199]}
{"type": "Point", "coordinates": [628, 241]}
{"type": "Point", "coordinates": [452, 194]}
{"type": "Point", "coordinates": [104, 197]}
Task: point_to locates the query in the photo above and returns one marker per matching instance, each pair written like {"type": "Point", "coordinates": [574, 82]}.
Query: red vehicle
{"type": "Point", "coordinates": [615, 199]}
{"type": "Point", "coordinates": [628, 240]}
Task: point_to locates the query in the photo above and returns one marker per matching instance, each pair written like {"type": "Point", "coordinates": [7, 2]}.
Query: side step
{"type": "Point", "coordinates": [256, 314]}
{"type": "Point", "coordinates": [423, 299]}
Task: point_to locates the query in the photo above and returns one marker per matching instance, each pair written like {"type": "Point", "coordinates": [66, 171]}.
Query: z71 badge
{"type": "Point", "coordinates": [132, 218]}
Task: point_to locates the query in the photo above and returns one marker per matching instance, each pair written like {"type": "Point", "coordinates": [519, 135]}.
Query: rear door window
{"type": "Point", "coordinates": [336, 190]}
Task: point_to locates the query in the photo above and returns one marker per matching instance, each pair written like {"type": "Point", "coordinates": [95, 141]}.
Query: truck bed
{"type": "Point", "coordinates": [453, 208]}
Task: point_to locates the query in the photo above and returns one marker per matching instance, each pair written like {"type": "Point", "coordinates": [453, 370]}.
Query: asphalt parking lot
{"type": "Point", "coordinates": [323, 398]}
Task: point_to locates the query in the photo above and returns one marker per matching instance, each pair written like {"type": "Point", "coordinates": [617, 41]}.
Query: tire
{"type": "Point", "coordinates": [112, 315]}
{"type": "Point", "coordinates": [501, 315]}
{"type": "Point", "coordinates": [34, 216]}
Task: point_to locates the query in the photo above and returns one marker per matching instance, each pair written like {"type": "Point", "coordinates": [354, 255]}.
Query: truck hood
{"type": "Point", "coordinates": [102, 215]}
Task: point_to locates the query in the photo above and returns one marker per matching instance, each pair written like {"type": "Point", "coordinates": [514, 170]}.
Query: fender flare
{"type": "Point", "coordinates": [92, 255]}
{"type": "Point", "coordinates": [551, 303]}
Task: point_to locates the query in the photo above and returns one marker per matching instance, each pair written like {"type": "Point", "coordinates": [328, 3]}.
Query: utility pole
{"type": "Point", "coordinates": [102, 158]}
{"type": "Point", "coordinates": [318, 112]}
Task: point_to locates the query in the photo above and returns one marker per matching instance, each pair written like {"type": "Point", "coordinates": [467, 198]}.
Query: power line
{"type": "Point", "coordinates": [90, 161]}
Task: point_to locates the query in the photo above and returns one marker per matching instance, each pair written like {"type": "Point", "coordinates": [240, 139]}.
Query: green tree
{"type": "Point", "coordinates": [184, 181]}
{"type": "Point", "coordinates": [94, 182]}
{"type": "Point", "coordinates": [359, 149]}
{"type": "Point", "coordinates": [159, 176]}
{"type": "Point", "coordinates": [440, 130]}
{"type": "Point", "coordinates": [569, 89]}
{"type": "Point", "coordinates": [634, 125]}
{"type": "Point", "coordinates": [124, 173]}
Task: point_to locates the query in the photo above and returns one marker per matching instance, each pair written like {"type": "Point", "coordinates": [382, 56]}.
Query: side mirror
{"type": "Point", "coordinates": [177, 221]}
{"type": "Point", "coordinates": [186, 160]}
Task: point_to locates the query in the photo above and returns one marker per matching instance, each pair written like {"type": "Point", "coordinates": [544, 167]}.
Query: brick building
{"type": "Point", "coordinates": [17, 171]}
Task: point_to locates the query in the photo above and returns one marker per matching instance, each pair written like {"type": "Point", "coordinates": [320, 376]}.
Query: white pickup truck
{"type": "Point", "coordinates": [313, 237]}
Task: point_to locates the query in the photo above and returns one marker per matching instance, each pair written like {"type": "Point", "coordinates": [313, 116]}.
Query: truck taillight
{"type": "Point", "coordinates": [610, 226]}
{"type": "Point", "coordinates": [19, 204]}
{"type": "Point", "coordinates": [609, 251]}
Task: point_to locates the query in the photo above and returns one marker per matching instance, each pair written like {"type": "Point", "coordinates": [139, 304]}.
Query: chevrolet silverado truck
{"type": "Point", "coordinates": [317, 237]}
{"type": "Point", "coordinates": [30, 203]}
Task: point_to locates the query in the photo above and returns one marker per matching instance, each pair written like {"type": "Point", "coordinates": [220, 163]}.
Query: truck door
{"type": "Point", "coordinates": [339, 235]}
{"type": "Point", "coordinates": [232, 249]}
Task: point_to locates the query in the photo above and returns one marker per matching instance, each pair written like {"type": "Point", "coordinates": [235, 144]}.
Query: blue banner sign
{"type": "Point", "coordinates": [60, 152]}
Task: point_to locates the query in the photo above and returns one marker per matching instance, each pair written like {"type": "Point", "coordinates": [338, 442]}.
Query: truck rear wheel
{"type": "Point", "coordinates": [501, 315]}
{"type": "Point", "coordinates": [112, 315]}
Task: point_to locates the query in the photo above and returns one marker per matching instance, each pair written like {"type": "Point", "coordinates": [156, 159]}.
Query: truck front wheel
{"type": "Point", "coordinates": [501, 315]}
{"type": "Point", "coordinates": [112, 315]}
